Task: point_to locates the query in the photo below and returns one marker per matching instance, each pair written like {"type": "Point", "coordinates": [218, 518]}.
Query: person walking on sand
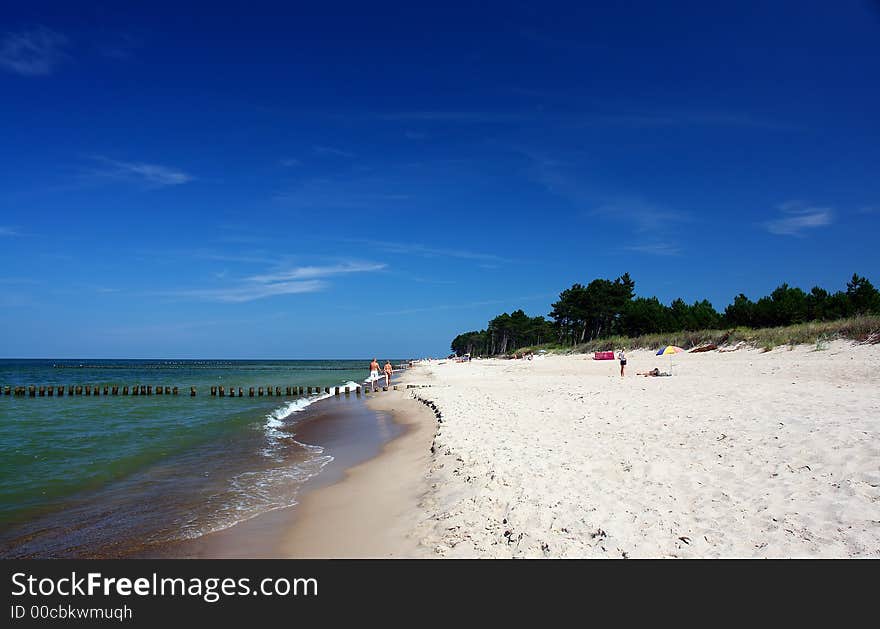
{"type": "Point", "coordinates": [622, 358]}
{"type": "Point", "coordinates": [374, 373]}
{"type": "Point", "coordinates": [388, 371]}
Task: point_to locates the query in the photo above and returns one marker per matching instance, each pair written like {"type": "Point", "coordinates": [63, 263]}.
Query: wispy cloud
{"type": "Point", "coordinates": [290, 162]}
{"type": "Point", "coordinates": [330, 150]}
{"type": "Point", "coordinates": [153, 175]}
{"type": "Point", "coordinates": [119, 46]}
{"type": "Point", "coordinates": [655, 248]}
{"type": "Point", "coordinates": [646, 119]}
{"type": "Point", "coordinates": [250, 291]}
{"type": "Point", "coordinates": [642, 217]}
{"type": "Point", "coordinates": [453, 116]}
{"type": "Point", "coordinates": [466, 305]}
{"type": "Point", "coordinates": [313, 272]}
{"type": "Point", "coordinates": [36, 52]}
{"type": "Point", "coordinates": [288, 280]}
{"type": "Point", "coordinates": [798, 217]}
{"type": "Point", "coordinates": [176, 256]}
{"type": "Point", "coordinates": [344, 193]}
{"type": "Point", "coordinates": [8, 231]}
{"type": "Point", "coordinates": [603, 115]}
{"type": "Point", "coordinates": [20, 280]}
{"type": "Point", "coordinates": [429, 252]}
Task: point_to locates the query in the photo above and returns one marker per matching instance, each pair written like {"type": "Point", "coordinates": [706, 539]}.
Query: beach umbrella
{"type": "Point", "coordinates": [669, 349]}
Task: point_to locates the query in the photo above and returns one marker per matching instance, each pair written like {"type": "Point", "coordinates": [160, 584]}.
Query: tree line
{"type": "Point", "coordinates": [605, 308]}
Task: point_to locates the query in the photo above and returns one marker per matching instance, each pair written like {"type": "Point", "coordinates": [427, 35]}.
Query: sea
{"type": "Point", "coordinates": [96, 476]}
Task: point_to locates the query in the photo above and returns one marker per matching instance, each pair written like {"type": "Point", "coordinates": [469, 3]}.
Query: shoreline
{"type": "Point", "coordinates": [357, 507]}
{"type": "Point", "coordinates": [373, 512]}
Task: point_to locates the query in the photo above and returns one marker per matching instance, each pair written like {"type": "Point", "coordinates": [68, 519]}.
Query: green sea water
{"type": "Point", "coordinates": [89, 470]}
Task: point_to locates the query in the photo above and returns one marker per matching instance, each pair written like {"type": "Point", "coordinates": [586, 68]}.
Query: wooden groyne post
{"type": "Point", "coordinates": [90, 390]}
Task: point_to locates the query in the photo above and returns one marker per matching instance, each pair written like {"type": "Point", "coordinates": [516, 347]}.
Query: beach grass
{"type": "Point", "coordinates": [860, 329]}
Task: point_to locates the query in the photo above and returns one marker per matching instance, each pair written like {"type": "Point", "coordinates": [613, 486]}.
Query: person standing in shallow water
{"type": "Point", "coordinates": [374, 373]}
{"type": "Point", "coordinates": [622, 358]}
{"type": "Point", "coordinates": [388, 371]}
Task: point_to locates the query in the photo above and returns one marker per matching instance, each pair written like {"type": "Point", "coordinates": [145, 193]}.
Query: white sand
{"type": "Point", "coordinates": [741, 454]}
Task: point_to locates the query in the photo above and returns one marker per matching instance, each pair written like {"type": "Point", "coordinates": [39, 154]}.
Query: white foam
{"type": "Point", "coordinates": [275, 419]}
{"type": "Point", "coordinates": [252, 493]}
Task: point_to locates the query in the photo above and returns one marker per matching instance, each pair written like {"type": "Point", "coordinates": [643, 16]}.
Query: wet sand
{"type": "Point", "coordinates": [375, 511]}
{"type": "Point", "coordinates": [362, 504]}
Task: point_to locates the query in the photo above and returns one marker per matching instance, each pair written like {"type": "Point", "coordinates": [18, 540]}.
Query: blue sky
{"type": "Point", "coordinates": [356, 180]}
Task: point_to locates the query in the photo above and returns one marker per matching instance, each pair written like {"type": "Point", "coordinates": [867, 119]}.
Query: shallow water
{"type": "Point", "coordinates": [80, 475]}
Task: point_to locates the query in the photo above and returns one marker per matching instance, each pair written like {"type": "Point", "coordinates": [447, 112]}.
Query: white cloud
{"type": "Point", "coordinates": [330, 193]}
{"type": "Point", "coordinates": [34, 52]}
{"type": "Point", "coordinates": [454, 116]}
{"type": "Point", "coordinates": [798, 217]}
{"type": "Point", "coordinates": [8, 231]}
{"type": "Point", "coordinates": [329, 150]}
{"type": "Point", "coordinates": [411, 248]}
{"type": "Point", "coordinates": [656, 248]}
{"type": "Point", "coordinates": [465, 305]}
{"type": "Point", "coordinates": [251, 291]}
{"type": "Point", "coordinates": [290, 162]}
{"type": "Point", "coordinates": [313, 272]}
{"type": "Point", "coordinates": [119, 46]}
{"type": "Point", "coordinates": [641, 216]}
{"type": "Point", "coordinates": [151, 174]}
{"type": "Point", "coordinates": [284, 281]}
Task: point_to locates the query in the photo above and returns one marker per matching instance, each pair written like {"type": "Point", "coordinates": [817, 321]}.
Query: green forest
{"type": "Point", "coordinates": [605, 308]}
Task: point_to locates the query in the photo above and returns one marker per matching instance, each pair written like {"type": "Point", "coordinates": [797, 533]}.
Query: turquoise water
{"type": "Point", "coordinates": [79, 472]}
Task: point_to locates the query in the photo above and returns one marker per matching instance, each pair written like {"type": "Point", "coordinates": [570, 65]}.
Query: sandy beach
{"type": "Point", "coordinates": [374, 511]}
{"type": "Point", "coordinates": [739, 454]}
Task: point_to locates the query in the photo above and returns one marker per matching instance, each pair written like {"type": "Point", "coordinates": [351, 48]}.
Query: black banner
{"type": "Point", "coordinates": [158, 592]}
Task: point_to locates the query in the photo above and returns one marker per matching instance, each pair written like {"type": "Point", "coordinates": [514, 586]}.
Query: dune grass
{"type": "Point", "coordinates": [861, 329]}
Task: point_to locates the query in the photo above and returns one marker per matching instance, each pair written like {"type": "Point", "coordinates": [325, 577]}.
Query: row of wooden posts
{"type": "Point", "coordinates": [216, 391]}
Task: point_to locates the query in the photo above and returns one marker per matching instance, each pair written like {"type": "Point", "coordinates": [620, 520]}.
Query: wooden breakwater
{"type": "Point", "coordinates": [216, 391]}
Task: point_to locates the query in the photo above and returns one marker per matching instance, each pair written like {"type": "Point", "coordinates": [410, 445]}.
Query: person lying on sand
{"type": "Point", "coordinates": [654, 372]}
